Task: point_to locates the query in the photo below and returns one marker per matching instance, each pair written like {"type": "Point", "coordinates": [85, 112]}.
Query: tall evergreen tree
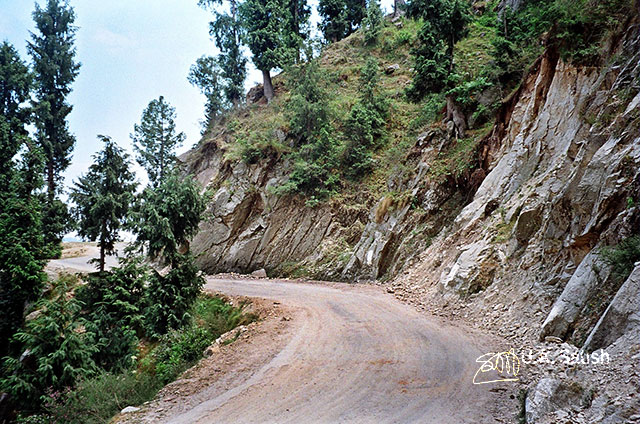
{"type": "Point", "coordinates": [52, 50]}
{"type": "Point", "coordinates": [164, 220]}
{"type": "Point", "coordinates": [265, 23]}
{"type": "Point", "coordinates": [297, 25]}
{"type": "Point", "coordinates": [21, 241]}
{"type": "Point", "coordinates": [103, 197]}
{"type": "Point", "coordinates": [155, 139]}
{"type": "Point", "coordinates": [206, 75]}
{"type": "Point", "coordinates": [340, 18]}
{"type": "Point", "coordinates": [444, 25]}
{"type": "Point", "coordinates": [227, 30]}
{"type": "Point", "coordinates": [372, 22]}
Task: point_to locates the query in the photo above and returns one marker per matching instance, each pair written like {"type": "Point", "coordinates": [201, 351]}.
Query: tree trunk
{"type": "Point", "coordinates": [397, 7]}
{"type": "Point", "coordinates": [101, 255]}
{"type": "Point", "coordinates": [51, 184]}
{"type": "Point", "coordinates": [267, 85]}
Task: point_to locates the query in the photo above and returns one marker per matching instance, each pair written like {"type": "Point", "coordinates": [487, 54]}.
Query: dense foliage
{"type": "Point", "coordinates": [54, 69]}
{"type": "Point", "coordinates": [114, 305]}
{"type": "Point", "coordinates": [58, 350]}
{"type": "Point", "coordinates": [167, 216]}
{"type": "Point", "coordinates": [103, 197]}
{"type": "Point", "coordinates": [155, 139]}
{"type": "Point", "coordinates": [207, 76]}
{"type": "Point", "coordinates": [340, 18]}
{"type": "Point", "coordinates": [21, 234]}
{"type": "Point", "coordinates": [309, 120]}
{"type": "Point", "coordinates": [365, 126]}
{"type": "Point", "coordinates": [444, 24]}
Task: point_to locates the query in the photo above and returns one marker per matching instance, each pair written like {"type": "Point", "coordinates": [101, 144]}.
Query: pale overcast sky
{"type": "Point", "coordinates": [131, 52]}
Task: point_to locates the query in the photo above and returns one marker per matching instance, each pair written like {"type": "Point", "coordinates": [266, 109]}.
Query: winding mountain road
{"type": "Point", "coordinates": [352, 353]}
{"type": "Point", "coordinates": [356, 355]}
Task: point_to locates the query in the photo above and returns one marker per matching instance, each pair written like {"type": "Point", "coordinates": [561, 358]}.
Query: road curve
{"type": "Point", "coordinates": [357, 355]}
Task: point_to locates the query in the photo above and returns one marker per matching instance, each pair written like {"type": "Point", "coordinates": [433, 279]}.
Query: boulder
{"type": "Point", "coordinates": [472, 271]}
{"type": "Point", "coordinates": [621, 316]}
{"type": "Point", "coordinates": [259, 273]}
{"type": "Point", "coordinates": [255, 94]}
{"type": "Point", "coordinates": [391, 69]}
{"type": "Point", "coordinates": [591, 272]}
{"type": "Point", "coordinates": [550, 395]}
{"type": "Point", "coordinates": [528, 223]}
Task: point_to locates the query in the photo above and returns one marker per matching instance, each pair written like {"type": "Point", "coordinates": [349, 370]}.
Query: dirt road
{"type": "Point", "coordinates": [354, 354]}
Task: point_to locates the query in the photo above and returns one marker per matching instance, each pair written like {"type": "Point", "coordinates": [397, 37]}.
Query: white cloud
{"type": "Point", "coordinates": [112, 41]}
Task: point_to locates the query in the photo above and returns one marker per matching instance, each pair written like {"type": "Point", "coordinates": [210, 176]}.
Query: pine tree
{"type": "Point", "coordinates": [53, 53]}
{"type": "Point", "coordinates": [103, 197]}
{"type": "Point", "coordinates": [335, 22]}
{"type": "Point", "coordinates": [58, 350]}
{"type": "Point", "coordinates": [340, 18]}
{"type": "Point", "coordinates": [372, 22]}
{"type": "Point", "coordinates": [21, 240]}
{"type": "Point", "coordinates": [444, 24]}
{"type": "Point", "coordinates": [297, 26]}
{"type": "Point", "coordinates": [166, 216]}
{"type": "Point", "coordinates": [227, 32]}
{"type": "Point", "coordinates": [265, 23]}
{"type": "Point", "coordinates": [206, 75]}
{"type": "Point", "coordinates": [310, 121]}
{"type": "Point", "coordinates": [365, 126]}
{"type": "Point", "coordinates": [155, 139]}
{"type": "Point", "coordinates": [164, 220]}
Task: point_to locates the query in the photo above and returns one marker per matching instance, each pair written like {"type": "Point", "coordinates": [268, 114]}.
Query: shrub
{"type": "Point", "coordinates": [623, 256]}
{"type": "Point", "coordinates": [114, 304]}
{"type": "Point", "coordinates": [372, 22]}
{"type": "Point", "coordinates": [98, 399]}
{"type": "Point", "coordinates": [314, 162]}
{"type": "Point", "coordinates": [57, 350]}
{"type": "Point", "coordinates": [366, 124]}
{"type": "Point", "coordinates": [170, 297]}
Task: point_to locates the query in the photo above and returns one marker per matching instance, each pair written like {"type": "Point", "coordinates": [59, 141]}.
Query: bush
{"type": "Point", "coordinates": [623, 256]}
{"type": "Point", "coordinates": [98, 399]}
{"type": "Point", "coordinates": [57, 348]}
{"type": "Point", "coordinates": [314, 162]}
{"type": "Point", "coordinates": [372, 22]}
{"type": "Point", "coordinates": [171, 297]}
{"type": "Point", "coordinates": [114, 304]}
{"type": "Point", "coordinates": [365, 126]}
{"type": "Point", "coordinates": [177, 350]}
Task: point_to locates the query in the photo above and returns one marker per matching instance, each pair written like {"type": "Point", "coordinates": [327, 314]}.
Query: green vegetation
{"type": "Point", "coordinates": [340, 18]}
{"type": "Point", "coordinates": [622, 256]}
{"type": "Point", "coordinates": [365, 128]}
{"type": "Point", "coordinates": [226, 30]}
{"type": "Point", "coordinates": [309, 120]}
{"type": "Point", "coordinates": [444, 24]}
{"type": "Point", "coordinates": [59, 350]}
{"type": "Point", "coordinates": [97, 398]}
{"type": "Point", "coordinates": [103, 196]}
{"type": "Point", "coordinates": [266, 35]}
{"type": "Point", "coordinates": [155, 139]}
{"type": "Point", "coordinates": [21, 234]}
{"type": "Point", "coordinates": [54, 70]}
{"type": "Point", "coordinates": [372, 22]}
{"type": "Point", "coordinates": [207, 76]}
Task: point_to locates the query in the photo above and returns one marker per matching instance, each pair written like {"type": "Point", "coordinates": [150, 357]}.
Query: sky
{"type": "Point", "coordinates": [131, 52]}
